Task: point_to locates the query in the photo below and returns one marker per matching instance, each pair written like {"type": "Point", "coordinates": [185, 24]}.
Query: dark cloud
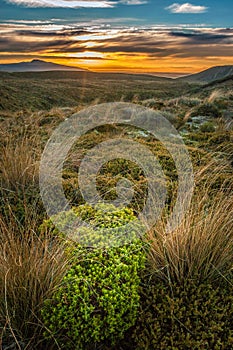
{"type": "Point", "coordinates": [12, 45]}
{"type": "Point", "coordinates": [201, 52]}
{"type": "Point", "coordinates": [63, 33]}
{"type": "Point", "coordinates": [202, 37]}
{"type": "Point", "coordinates": [155, 43]}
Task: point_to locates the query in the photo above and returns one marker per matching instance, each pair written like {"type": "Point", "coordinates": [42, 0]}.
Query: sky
{"type": "Point", "coordinates": [148, 36]}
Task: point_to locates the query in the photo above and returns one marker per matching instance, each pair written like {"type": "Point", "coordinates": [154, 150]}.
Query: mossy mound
{"type": "Point", "coordinates": [98, 299]}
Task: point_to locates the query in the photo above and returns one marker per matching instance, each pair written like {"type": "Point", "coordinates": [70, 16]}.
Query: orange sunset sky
{"type": "Point", "coordinates": [118, 35]}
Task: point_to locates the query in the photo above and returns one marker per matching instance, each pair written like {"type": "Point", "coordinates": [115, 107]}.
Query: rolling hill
{"type": "Point", "coordinates": [44, 90]}
{"type": "Point", "coordinates": [209, 75]}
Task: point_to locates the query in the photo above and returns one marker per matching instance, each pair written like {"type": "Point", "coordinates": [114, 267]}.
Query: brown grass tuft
{"type": "Point", "coordinates": [201, 248]}
{"type": "Point", "coordinates": [18, 163]}
{"type": "Point", "coordinates": [32, 267]}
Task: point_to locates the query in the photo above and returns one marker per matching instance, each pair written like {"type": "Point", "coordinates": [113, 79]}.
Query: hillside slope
{"type": "Point", "coordinates": [209, 75]}
{"type": "Point", "coordinates": [44, 90]}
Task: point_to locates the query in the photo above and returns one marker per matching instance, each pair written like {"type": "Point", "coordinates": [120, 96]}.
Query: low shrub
{"type": "Point", "coordinates": [153, 103]}
{"type": "Point", "coordinates": [99, 299]}
{"type": "Point", "coordinates": [188, 316]}
{"type": "Point", "coordinates": [207, 127]}
{"type": "Point", "coordinates": [189, 101]}
{"type": "Point", "coordinates": [207, 110]}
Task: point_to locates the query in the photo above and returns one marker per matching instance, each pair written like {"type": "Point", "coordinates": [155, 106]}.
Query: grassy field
{"type": "Point", "coordinates": [45, 90]}
{"type": "Point", "coordinates": [55, 295]}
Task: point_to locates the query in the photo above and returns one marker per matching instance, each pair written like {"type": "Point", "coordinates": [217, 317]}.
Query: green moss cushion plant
{"type": "Point", "coordinates": [99, 298]}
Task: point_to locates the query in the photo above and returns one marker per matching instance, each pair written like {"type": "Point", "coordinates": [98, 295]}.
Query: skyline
{"type": "Point", "coordinates": [119, 35]}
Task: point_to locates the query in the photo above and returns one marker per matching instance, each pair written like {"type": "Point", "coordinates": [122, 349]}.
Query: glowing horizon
{"type": "Point", "coordinates": [145, 50]}
{"type": "Point", "coordinates": [141, 36]}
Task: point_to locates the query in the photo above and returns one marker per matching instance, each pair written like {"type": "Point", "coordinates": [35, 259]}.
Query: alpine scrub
{"type": "Point", "coordinates": [98, 299]}
{"type": "Point", "coordinates": [185, 317]}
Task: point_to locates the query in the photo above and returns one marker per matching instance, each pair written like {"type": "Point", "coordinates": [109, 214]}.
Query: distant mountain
{"type": "Point", "coordinates": [36, 66]}
{"type": "Point", "coordinates": [209, 75]}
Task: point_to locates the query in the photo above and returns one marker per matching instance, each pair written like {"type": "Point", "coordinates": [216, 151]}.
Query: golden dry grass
{"type": "Point", "coordinates": [201, 248]}
{"type": "Point", "coordinates": [19, 162]}
{"type": "Point", "coordinates": [215, 95]}
{"type": "Point", "coordinates": [32, 267]}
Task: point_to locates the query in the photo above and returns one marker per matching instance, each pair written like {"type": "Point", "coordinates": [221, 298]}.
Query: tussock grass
{"type": "Point", "coordinates": [19, 180]}
{"type": "Point", "coordinates": [32, 267]}
{"type": "Point", "coordinates": [18, 163]}
{"type": "Point", "coordinates": [215, 96]}
{"type": "Point", "coordinates": [201, 248]}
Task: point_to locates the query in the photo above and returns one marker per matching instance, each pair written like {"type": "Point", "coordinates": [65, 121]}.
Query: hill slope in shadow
{"type": "Point", "coordinates": [209, 75]}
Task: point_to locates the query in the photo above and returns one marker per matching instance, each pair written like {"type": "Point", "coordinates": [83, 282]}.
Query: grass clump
{"type": "Point", "coordinates": [201, 248]}
{"type": "Point", "coordinates": [19, 180]}
{"type": "Point", "coordinates": [31, 269]}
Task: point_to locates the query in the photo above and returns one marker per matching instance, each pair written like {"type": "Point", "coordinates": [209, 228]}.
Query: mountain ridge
{"type": "Point", "coordinates": [37, 65]}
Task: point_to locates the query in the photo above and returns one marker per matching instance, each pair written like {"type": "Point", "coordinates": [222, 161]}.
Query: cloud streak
{"type": "Point", "coordinates": [159, 42]}
{"type": "Point", "coordinates": [75, 3]}
{"type": "Point", "coordinates": [64, 3]}
{"type": "Point", "coordinates": [186, 8]}
{"type": "Point", "coordinates": [133, 2]}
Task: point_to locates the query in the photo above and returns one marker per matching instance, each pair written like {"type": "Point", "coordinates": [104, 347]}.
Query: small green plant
{"type": "Point", "coordinates": [207, 127]}
{"type": "Point", "coordinates": [108, 226]}
{"type": "Point", "coordinates": [98, 299]}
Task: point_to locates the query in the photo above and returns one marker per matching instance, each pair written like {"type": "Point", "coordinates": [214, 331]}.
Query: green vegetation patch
{"type": "Point", "coordinates": [98, 299]}
{"type": "Point", "coordinates": [184, 317]}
